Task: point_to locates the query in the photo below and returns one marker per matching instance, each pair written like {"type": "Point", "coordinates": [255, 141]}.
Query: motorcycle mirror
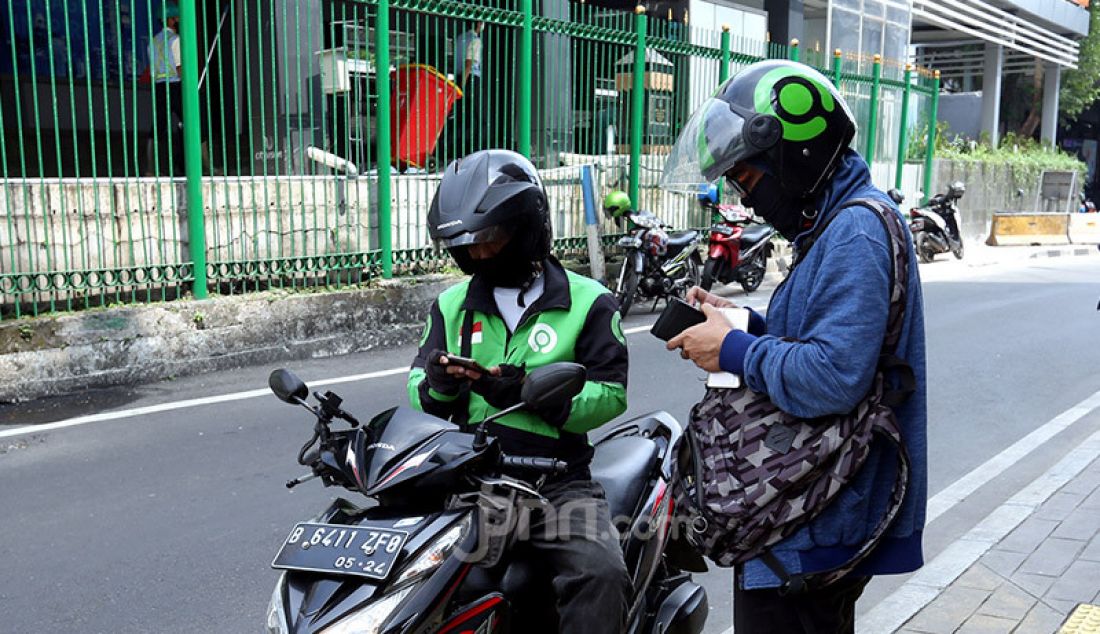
{"type": "Point", "coordinates": [287, 386]}
{"type": "Point", "coordinates": [553, 384]}
{"type": "Point", "coordinates": [896, 196]}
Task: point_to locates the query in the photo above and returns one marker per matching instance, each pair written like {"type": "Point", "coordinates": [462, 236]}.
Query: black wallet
{"type": "Point", "coordinates": [677, 317]}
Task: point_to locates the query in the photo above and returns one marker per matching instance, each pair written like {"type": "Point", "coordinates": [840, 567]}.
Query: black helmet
{"type": "Point", "coordinates": [783, 115]}
{"type": "Point", "coordinates": [488, 196]}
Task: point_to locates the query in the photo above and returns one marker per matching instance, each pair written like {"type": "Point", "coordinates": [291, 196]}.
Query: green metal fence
{"type": "Point", "coordinates": [261, 168]}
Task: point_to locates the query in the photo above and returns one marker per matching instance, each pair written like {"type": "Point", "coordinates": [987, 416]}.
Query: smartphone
{"type": "Point", "coordinates": [677, 317]}
{"type": "Point", "coordinates": [464, 362]}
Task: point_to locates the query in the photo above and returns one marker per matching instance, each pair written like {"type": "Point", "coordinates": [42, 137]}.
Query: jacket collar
{"type": "Point", "coordinates": [555, 294]}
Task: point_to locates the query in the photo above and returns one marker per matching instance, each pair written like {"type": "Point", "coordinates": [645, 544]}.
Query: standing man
{"type": "Point", "coordinates": [779, 133]}
{"type": "Point", "coordinates": [520, 310]}
{"type": "Point", "coordinates": [165, 70]}
{"type": "Point", "coordinates": [471, 114]}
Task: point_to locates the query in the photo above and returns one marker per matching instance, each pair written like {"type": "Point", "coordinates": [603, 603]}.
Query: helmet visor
{"type": "Point", "coordinates": [709, 145]}
{"type": "Point", "coordinates": [489, 234]}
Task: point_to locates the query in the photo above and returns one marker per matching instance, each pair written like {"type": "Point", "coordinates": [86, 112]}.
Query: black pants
{"type": "Point", "coordinates": [830, 610]}
{"type": "Point", "coordinates": [164, 156]}
{"type": "Point", "coordinates": [578, 544]}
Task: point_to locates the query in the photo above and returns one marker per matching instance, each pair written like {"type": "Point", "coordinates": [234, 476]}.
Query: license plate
{"type": "Point", "coordinates": [363, 551]}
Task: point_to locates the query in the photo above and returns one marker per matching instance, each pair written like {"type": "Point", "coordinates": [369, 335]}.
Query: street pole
{"type": "Point", "coordinates": [838, 62]}
{"type": "Point", "coordinates": [903, 135]}
{"type": "Point", "coordinates": [637, 106]}
{"type": "Point", "coordinates": [723, 76]}
{"type": "Point", "coordinates": [382, 75]}
{"type": "Point", "coordinates": [930, 153]}
{"type": "Point", "coordinates": [792, 52]}
{"type": "Point", "coordinates": [192, 147]}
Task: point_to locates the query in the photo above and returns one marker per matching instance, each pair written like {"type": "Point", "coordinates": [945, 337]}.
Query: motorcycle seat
{"type": "Point", "coordinates": [753, 234]}
{"type": "Point", "coordinates": [621, 465]}
{"type": "Point", "coordinates": [681, 239]}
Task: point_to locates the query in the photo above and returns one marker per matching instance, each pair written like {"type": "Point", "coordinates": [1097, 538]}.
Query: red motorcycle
{"type": "Point", "coordinates": [738, 249]}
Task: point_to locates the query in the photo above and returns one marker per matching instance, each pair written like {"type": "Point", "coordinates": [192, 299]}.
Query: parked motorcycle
{"type": "Point", "coordinates": [656, 264]}
{"type": "Point", "coordinates": [935, 227]}
{"type": "Point", "coordinates": [738, 249]}
{"type": "Point", "coordinates": [436, 552]}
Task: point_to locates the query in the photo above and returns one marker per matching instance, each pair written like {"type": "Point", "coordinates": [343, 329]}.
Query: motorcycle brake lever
{"type": "Point", "coordinates": [513, 485]}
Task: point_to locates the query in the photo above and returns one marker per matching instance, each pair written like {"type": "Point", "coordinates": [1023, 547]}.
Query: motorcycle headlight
{"type": "Point", "coordinates": [629, 242]}
{"type": "Point", "coordinates": [369, 620]}
{"type": "Point", "coordinates": [276, 612]}
{"type": "Point", "coordinates": [431, 556]}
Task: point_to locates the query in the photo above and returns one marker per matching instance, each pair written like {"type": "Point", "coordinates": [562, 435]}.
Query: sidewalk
{"type": "Point", "coordinates": [1025, 568]}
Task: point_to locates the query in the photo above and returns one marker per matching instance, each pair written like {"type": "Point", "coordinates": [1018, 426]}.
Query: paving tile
{"type": "Point", "coordinates": [985, 624]}
{"type": "Point", "coordinates": [949, 610]}
{"type": "Point", "coordinates": [1042, 619]}
{"type": "Point", "coordinates": [1081, 524]}
{"type": "Point", "coordinates": [1058, 506]}
{"type": "Point", "coordinates": [1003, 562]}
{"type": "Point", "coordinates": [1008, 602]}
{"type": "Point", "coordinates": [1035, 585]}
{"type": "Point", "coordinates": [1092, 501]}
{"type": "Point", "coordinates": [981, 577]}
{"type": "Point", "coordinates": [1052, 557]}
{"type": "Point", "coordinates": [1060, 606]}
{"type": "Point", "coordinates": [1028, 535]}
{"type": "Point", "coordinates": [1092, 551]}
{"type": "Point", "coordinates": [1078, 583]}
{"type": "Point", "coordinates": [1085, 482]}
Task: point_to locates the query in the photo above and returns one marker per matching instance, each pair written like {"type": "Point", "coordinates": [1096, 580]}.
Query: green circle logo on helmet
{"type": "Point", "coordinates": [782, 115]}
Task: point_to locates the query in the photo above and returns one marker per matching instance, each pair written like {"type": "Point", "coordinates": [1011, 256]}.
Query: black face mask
{"type": "Point", "coordinates": [511, 268]}
{"type": "Point", "coordinates": [790, 215]}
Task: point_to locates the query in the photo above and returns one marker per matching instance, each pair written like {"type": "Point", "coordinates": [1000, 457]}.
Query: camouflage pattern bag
{"type": "Point", "coordinates": [749, 474]}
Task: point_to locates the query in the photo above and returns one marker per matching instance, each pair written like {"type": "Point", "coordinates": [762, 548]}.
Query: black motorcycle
{"type": "Point", "coordinates": [935, 227]}
{"type": "Point", "coordinates": [439, 550]}
{"type": "Point", "coordinates": [656, 264]}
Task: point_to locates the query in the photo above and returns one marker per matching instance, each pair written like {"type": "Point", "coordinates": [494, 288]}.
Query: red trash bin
{"type": "Point", "coordinates": [423, 100]}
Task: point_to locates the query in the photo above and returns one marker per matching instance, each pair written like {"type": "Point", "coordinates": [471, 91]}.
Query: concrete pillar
{"type": "Point", "coordinates": [785, 20]}
{"type": "Point", "coordinates": [991, 92]}
{"type": "Point", "coordinates": [1052, 83]}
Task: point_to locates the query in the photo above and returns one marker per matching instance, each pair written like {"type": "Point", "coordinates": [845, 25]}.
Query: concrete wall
{"type": "Point", "coordinates": [989, 188]}
{"type": "Point", "coordinates": [54, 355]}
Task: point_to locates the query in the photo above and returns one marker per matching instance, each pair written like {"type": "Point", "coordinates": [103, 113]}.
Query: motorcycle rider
{"type": "Point", "coordinates": [520, 310]}
{"type": "Point", "coordinates": [779, 132]}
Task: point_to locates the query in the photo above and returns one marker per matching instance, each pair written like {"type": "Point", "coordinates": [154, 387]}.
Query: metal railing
{"type": "Point", "coordinates": [261, 168]}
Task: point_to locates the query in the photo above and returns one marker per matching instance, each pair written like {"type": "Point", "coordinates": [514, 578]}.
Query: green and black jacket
{"type": "Point", "coordinates": [575, 319]}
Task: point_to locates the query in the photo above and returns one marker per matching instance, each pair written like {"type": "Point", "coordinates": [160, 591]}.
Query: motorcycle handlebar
{"type": "Point", "coordinates": [540, 465]}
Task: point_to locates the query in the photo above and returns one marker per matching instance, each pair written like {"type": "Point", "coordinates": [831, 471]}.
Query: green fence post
{"type": "Point", "coordinates": [930, 153]}
{"type": "Point", "coordinates": [382, 73]}
{"type": "Point", "coordinates": [792, 52]}
{"type": "Point", "coordinates": [838, 63]}
{"type": "Point", "coordinates": [903, 135]}
{"type": "Point", "coordinates": [872, 119]}
{"type": "Point", "coordinates": [526, 53]}
{"type": "Point", "coordinates": [192, 147]}
{"type": "Point", "coordinates": [723, 76]}
{"type": "Point", "coordinates": [724, 69]}
{"type": "Point", "coordinates": [637, 106]}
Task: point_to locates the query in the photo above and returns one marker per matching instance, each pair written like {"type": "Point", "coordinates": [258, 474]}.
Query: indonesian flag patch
{"type": "Point", "coordinates": [475, 333]}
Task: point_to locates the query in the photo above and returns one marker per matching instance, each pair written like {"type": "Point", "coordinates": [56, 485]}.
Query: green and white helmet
{"type": "Point", "coordinates": [780, 114]}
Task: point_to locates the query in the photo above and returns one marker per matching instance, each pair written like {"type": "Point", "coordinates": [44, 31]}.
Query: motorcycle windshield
{"type": "Point", "coordinates": [393, 436]}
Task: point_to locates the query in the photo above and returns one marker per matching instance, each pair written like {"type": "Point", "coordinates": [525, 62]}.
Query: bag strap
{"type": "Point", "coordinates": [462, 403]}
{"type": "Point", "coordinates": [800, 582]}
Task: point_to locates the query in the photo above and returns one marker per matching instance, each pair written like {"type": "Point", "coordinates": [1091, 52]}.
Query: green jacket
{"type": "Point", "coordinates": [575, 319]}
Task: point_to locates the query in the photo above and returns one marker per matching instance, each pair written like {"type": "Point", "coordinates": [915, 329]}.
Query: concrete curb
{"type": "Point", "coordinates": [1067, 251]}
{"type": "Point", "coordinates": [50, 355]}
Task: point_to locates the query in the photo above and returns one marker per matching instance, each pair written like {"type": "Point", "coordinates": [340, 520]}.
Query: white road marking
{"type": "Point", "coordinates": [210, 400]}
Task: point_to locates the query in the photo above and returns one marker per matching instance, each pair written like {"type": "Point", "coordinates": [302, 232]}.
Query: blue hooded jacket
{"type": "Point", "coordinates": [835, 305]}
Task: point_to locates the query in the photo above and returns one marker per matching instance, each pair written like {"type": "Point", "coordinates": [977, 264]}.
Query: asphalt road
{"type": "Point", "coordinates": [166, 522]}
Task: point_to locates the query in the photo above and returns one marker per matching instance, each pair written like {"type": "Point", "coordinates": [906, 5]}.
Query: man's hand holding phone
{"type": "Point", "coordinates": [696, 296]}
